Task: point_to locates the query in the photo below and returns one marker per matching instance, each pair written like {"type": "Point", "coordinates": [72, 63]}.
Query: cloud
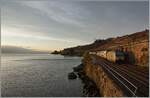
{"type": "Point", "coordinates": [73, 22]}
{"type": "Point", "coordinates": [58, 11]}
{"type": "Point", "coordinates": [44, 18]}
{"type": "Point", "coordinates": [35, 35]}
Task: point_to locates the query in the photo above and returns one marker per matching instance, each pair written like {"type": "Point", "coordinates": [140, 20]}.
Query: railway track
{"type": "Point", "coordinates": [132, 72]}
{"type": "Point", "coordinates": [132, 68]}
{"type": "Point", "coordinates": [139, 83]}
{"type": "Point", "coordinates": [130, 77]}
{"type": "Point", "coordinates": [140, 70]}
{"type": "Point", "coordinates": [142, 78]}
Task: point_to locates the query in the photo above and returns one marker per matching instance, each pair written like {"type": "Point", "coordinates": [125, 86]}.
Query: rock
{"type": "Point", "coordinates": [72, 75]}
{"type": "Point", "coordinates": [81, 74]}
{"type": "Point", "coordinates": [78, 68]}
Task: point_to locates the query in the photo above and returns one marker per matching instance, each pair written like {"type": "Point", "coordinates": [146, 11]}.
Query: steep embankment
{"type": "Point", "coordinates": [80, 50]}
{"type": "Point", "coordinates": [108, 43]}
{"type": "Point", "coordinates": [135, 45]}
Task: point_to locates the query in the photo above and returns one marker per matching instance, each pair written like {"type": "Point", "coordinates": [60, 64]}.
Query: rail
{"type": "Point", "coordinates": [110, 70]}
{"type": "Point", "coordinates": [133, 92]}
{"type": "Point", "coordinates": [142, 82]}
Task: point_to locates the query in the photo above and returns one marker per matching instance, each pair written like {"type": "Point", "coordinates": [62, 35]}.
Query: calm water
{"type": "Point", "coordinates": [39, 75]}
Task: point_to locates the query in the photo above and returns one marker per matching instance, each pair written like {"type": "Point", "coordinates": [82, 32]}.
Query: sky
{"type": "Point", "coordinates": [55, 25]}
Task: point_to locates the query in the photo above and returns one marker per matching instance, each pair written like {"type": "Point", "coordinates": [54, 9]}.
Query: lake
{"type": "Point", "coordinates": [39, 75]}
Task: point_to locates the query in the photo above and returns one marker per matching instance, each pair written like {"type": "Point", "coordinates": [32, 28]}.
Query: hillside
{"type": "Point", "coordinates": [107, 44]}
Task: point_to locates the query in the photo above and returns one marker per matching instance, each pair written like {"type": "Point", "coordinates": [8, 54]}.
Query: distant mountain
{"type": "Point", "coordinates": [19, 50]}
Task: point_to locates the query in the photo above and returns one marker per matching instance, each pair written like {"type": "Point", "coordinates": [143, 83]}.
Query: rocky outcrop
{"type": "Point", "coordinates": [89, 87]}
{"type": "Point", "coordinates": [56, 52]}
{"type": "Point", "coordinates": [72, 75]}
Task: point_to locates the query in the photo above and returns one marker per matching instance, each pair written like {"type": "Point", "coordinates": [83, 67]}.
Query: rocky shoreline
{"type": "Point", "coordinates": [89, 87]}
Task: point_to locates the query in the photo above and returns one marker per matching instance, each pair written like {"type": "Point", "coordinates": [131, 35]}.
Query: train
{"type": "Point", "coordinates": [115, 56]}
